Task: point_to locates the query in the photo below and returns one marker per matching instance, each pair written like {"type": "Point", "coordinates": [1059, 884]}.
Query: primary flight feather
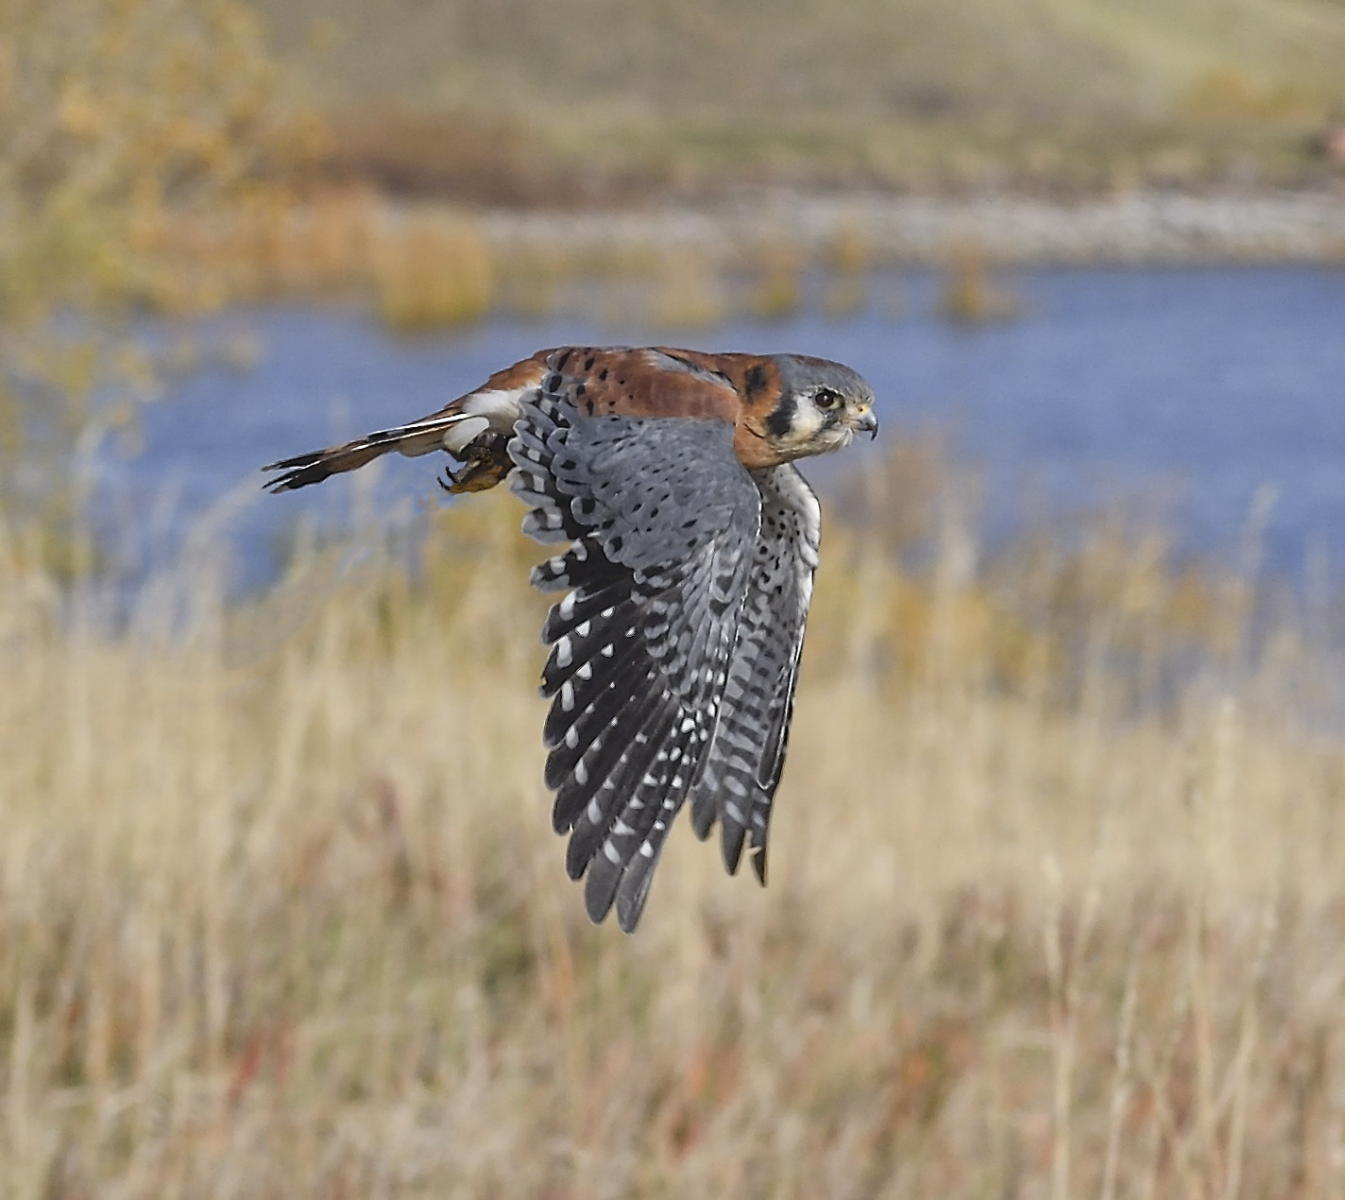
{"type": "Point", "coordinates": [691, 541]}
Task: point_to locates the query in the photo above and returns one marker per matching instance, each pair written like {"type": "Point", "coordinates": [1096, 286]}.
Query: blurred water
{"type": "Point", "coordinates": [1197, 385]}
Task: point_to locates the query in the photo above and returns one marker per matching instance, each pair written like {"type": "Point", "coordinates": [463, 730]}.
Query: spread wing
{"type": "Point", "coordinates": [663, 520]}
{"type": "Point", "coordinates": [746, 758]}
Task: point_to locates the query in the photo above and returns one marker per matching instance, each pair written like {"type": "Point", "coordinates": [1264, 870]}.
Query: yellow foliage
{"type": "Point", "coordinates": [113, 111]}
{"type": "Point", "coordinates": [115, 104]}
{"type": "Point", "coordinates": [851, 252]}
{"type": "Point", "coordinates": [845, 295]}
{"type": "Point", "coordinates": [777, 289]}
{"type": "Point", "coordinates": [688, 294]}
{"type": "Point", "coordinates": [1227, 94]}
{"type": "Point", "coordinates": [436, 271]}
{"type": "Point", "coordinates": [970, 294]}
{"type": "Point", "coordinates": [78, 113]}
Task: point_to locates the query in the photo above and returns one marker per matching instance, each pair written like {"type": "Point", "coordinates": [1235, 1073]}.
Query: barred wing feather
{"type": "Point", "coordinates": [661, 521]}
{"type": "Point", "coordinates": [746, 758]}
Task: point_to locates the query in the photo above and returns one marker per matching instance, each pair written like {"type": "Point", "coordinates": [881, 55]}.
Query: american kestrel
{"type": "Point", "coordinates": [692, 542]}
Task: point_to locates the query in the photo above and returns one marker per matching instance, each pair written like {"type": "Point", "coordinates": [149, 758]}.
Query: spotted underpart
{"type": "Point", "coordinates": [662, 521]}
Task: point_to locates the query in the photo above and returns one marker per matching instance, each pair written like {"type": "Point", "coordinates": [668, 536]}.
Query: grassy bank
{"type": "Point", "coordinates": [526, 102]}
{"type": "Point", "coordinates": [431, 266]}
{"type": "Point", "coordinates": [281, 913]}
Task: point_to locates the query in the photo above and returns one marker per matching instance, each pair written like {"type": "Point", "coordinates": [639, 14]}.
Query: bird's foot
{"type": "Point", "coordinates": [485, 463]}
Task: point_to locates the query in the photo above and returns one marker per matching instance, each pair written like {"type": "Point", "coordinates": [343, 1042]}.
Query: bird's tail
{"type": "Point", "coordinates": [449, 430]}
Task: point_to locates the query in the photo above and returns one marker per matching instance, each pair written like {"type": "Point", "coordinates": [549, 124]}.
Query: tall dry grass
{"type": "Point", "coordinates": [281, 913]}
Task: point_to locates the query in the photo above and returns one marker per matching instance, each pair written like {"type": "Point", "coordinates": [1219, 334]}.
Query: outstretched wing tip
{"type": "Point", "coordinates": [759, 863]}
{"type": "Point", "coordinates": [747, 758]}
{"type": "Point", "coordinates": [642, 640]}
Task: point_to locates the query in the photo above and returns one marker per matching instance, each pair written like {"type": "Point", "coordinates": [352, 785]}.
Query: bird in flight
{"type": "Point", "coordinates": [691, 545]}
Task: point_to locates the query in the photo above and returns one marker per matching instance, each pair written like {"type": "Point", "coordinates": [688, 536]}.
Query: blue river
{"type": "Point", "coordinates": [1194, 390]}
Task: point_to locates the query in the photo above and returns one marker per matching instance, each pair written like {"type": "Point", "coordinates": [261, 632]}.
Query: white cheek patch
{"type": "Point", "coordinates": [807, 423]}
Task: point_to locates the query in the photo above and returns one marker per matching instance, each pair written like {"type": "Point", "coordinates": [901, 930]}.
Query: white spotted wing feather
{"type": "Point", "coordinates": [746, 759]}
{"type": "Point", "coordinates": [662, 520]}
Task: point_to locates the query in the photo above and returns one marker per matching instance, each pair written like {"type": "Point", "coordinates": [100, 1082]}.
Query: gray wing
{"type": "Point", "coordinates": [662, 519]}
{"type": "Point", "coordinates": [747, 755]}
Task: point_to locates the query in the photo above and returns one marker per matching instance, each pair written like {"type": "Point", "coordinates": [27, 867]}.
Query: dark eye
{"type": "Point", "coordinates": [826, 399]}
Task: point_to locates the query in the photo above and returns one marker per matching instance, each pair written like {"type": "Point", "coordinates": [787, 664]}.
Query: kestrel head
{"type": "Point", "coordinates": [821, 406]}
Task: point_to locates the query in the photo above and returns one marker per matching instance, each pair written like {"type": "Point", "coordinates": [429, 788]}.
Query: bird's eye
{"type": "Point", "coordinates": [826, 399]}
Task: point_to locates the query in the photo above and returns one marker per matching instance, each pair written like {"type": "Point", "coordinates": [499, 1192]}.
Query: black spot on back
{"type": "Point", "coordinates": [756, 379]}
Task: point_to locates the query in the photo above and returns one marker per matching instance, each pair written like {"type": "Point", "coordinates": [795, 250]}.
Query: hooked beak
{"type": "Point", "coordinates": [867, 422]}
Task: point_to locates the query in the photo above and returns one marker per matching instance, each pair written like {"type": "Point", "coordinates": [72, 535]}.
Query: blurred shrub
{"type": "Point", "coordinates": [970, 293]}
{"type": "Point", "coordinates": [777, 290]}
{"type": "Point", "coordinates": [112, 112]}
{"type": "Point", "coordinates": [1226, 93]}
{"type": "Point", "coordinates": [437, 270]}
{"type": "Point", "coordinates": [687, 294]}
{"type": "Point", "coordinates": [281, 901]}
{"type": "Point", "coordinates": [472, 157]}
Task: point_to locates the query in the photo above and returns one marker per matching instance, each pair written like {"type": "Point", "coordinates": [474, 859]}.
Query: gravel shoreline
{"type": "Point", "coordinates": [1137, 228]}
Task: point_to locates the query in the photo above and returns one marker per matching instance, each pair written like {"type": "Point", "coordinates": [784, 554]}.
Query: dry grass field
{"type": "Point", "coordinates": [558, 102]}
{"type": "Point", "coordinates": [1056, 906]}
